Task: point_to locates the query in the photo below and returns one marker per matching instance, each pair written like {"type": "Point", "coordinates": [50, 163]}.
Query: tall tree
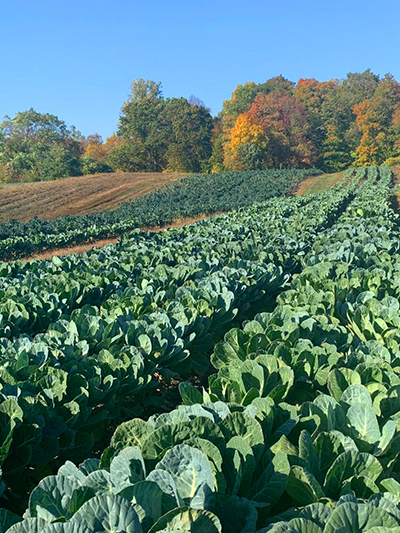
{"type": "Point", "coordinates": [339, 119]}
{"type": "Point", "coordinates": [284, 122]}
{"type": "Point", "coordinates": [247, 145]}
{"type": "Point", "coordinates": [277, 83]}
{"type": "Point", "coordinates": [312, 94]}
{"type": "Point", "coordinates": [377, 121]}
{"type": "Point", "coordinates": [160, 134]}
{"type": "Point", "coordinates": [187, 135]}
{"type": "Point", "coordinates": [139, 125]}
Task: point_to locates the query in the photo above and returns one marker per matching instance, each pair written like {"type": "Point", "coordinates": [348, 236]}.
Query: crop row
{"type": "Point", "coordinates": [298, 429]}
{"type": "Point", "coordinates": [199, 194]}
{"type": "Point", "coordinates": [151, 305]}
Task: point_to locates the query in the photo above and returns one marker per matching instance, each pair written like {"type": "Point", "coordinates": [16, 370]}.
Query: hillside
{"type": "Point", "coordinates": [77, 196]}
{"type": "Point", "coordinates": [102, 192]}
{"type": "Point", "coordinates": [199, 194]}
{"type": "Point", "coordinates": [311, 184]}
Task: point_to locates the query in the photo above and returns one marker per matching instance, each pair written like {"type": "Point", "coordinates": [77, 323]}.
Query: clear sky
{"type": "Point", "coordinates": [76, 59]}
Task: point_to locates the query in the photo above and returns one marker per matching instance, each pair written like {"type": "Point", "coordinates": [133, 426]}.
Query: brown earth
{"type": "Point", "coordinates": [395, 200]}
{"type": "Point", "coordinates": [396, 172]}
{"type": "Point", "coordinates": [77, 196]}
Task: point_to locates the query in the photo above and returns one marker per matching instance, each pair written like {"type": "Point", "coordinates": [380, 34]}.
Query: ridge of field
{"type": "Point", "coordinates": [310, 185]}
{"type": "Point", "coordinates": [133, 187]}
{"type": "Point", "coordinates": [78, 195]}
{"type": "Point", "coordinates": [197, 194]}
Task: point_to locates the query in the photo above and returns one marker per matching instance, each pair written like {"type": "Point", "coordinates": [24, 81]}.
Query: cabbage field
{"type": "Point", "coordinates": [237, 375]}
{"type": "Point", "coordinates": [195, 195]}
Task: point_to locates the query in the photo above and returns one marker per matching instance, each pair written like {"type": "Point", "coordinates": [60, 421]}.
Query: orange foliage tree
{"type": "Point", "coordinates": [284, 121]}
{"type": "Point", "coordinates": [95, 148]}
{"type": "Point", "coordinates": [244, 134]}
{"type": "Point", "coordinates": [377, 119]}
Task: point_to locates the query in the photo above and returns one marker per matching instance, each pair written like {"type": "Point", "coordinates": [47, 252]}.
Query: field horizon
{"type": "Point", "coordinates": [94, 193]}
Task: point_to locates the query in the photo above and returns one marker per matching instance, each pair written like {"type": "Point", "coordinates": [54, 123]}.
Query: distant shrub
{"type": "Point", "coordinates": [92, 166]}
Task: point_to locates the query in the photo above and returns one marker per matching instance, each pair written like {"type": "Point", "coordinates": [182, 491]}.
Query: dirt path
{"type": "Point", "coordinates": [396, 172]}
{"type": "Point", "coordinates": [395, 199]}
{"type": "Point", "coordinates": [80, 248]}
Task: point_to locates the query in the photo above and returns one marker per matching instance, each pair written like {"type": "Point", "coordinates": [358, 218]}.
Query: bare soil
{"type": "Point", "coordinates": [76, 196]}
{"type": "Point", "coordinates": [396, 172]}
{"type": "Point", "coordinates": [395, 199]}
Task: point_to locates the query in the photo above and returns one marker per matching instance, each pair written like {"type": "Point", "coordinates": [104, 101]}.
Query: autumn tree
{"type": "Point", "coordinates": [377, 119]}
{"type": "Point", "coordinates": [244, 95]}
{"type": "Point", "coordinates": [95, 156]}
{"type": "Point", "coordinates": [241, 101]}
{"type": "Point", "coordinates": [337, 113]}
{"type": "Point", "coordinates": [247, 145]}
{"type": "Point", "coordinates": [284, 122]}
{"type": "Point", "coordinates": [312, 94]}
{"type": "Point", "coordinates": [95, 148]}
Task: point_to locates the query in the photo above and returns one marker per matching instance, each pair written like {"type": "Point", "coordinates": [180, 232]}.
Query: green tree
{"type": "Point", "coordinates": [337, 113]}
{"type": "Point", "coordinates": [128, 157]}
{"type": "Point", "coordinates": [159, 134]}
{"type": "Point", "coordinates": [279, 84]}
{"type": "Point", "coordinates": [188, 132]}
{"type": "Point", "coordinates": [217, 142]}
{"type": "Point", "coordinates": [251, 156]}
{"type": "Point", "coordinates": [39, 146]}
{"type": "Point", "coordinates": [139, 125]}
{"type": "Point", "coordinates": [239, 102]}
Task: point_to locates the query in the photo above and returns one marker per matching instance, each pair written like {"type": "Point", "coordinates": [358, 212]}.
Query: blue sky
{"type": "Point", "coordinates": [76, 59]}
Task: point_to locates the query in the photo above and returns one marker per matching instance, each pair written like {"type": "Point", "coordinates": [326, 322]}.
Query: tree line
{"type": "Point", "coordinates": [331, 125]}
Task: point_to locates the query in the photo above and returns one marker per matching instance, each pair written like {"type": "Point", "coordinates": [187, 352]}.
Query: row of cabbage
{"type": "Point", "coordinates": [158, 304]}
{"type": "Point", "coordinates": [197, 194]}
{"type": "Point", "coordinates": [35, 295]}
{"type": "Point", "coordinates": [298, 430]}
